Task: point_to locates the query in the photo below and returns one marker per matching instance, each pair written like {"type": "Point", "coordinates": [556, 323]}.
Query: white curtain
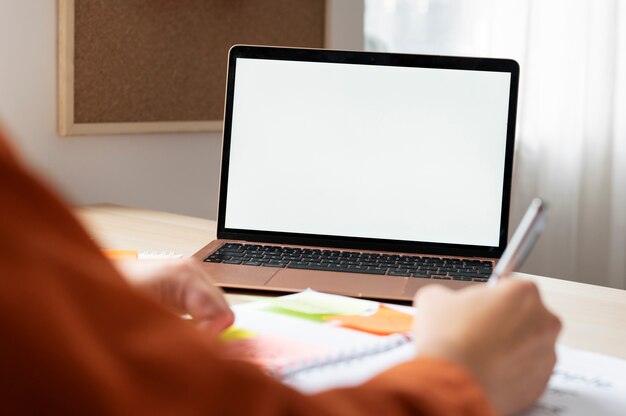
{"type": "Point", "coordinates": [571, 132]}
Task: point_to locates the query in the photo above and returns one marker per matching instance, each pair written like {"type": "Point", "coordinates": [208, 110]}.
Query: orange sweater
{"type": "Point", "coordinates": [76, 339]}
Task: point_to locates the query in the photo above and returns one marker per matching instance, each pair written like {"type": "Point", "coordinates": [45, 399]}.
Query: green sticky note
{"type": "Point", "coordinates": [289, 312]}
{"type": "Point", "coordinates": [234, 334]}
{"type": "Point", "coordinates": [317, 305]}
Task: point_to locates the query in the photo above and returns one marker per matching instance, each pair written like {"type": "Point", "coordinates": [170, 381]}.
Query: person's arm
{"type": "Point", "coordinates": [77, 339]}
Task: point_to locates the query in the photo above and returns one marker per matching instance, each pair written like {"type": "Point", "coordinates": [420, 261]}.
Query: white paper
{"type": "Point", "coordinates": [584, 384]}
{"type": "Point", "coordinates": [158, 255]}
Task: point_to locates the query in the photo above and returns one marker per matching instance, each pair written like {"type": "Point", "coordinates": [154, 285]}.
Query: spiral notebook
{"type": "Point", "coordinates": [301, 339]}
{"type": "Point", "coordinates": [314, 341]}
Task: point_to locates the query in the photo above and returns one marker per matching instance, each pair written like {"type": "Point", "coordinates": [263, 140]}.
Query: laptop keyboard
{"type": "Point", "coordinates": [352, 262]}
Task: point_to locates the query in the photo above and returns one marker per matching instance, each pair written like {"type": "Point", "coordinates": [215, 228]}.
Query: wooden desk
{"type": "Point", "coordinates": [594, 317]}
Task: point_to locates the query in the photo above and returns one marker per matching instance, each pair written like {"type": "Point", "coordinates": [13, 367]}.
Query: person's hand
{"type": "Point", "coordinates": [503, 335]}
{"type": "Point", "coordinates": [183, 286]}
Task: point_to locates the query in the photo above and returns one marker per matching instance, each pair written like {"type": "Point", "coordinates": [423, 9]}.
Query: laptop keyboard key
{"type": "Point", "coordinates": [298, 265]}
{"type": "Point", "coordinates": [213, 260]}
{"type": "Point", "coordinates": [279, 265]}
{"type": "Point", "coordinates": [317, 267]}
{"type": "Point", "coordinates": [399, 273]}
{"type": "Point", "coordinates": [337, 268]}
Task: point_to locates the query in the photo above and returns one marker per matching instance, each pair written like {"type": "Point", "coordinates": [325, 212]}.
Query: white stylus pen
{"type": "Point", "coordinates": [523, 240]}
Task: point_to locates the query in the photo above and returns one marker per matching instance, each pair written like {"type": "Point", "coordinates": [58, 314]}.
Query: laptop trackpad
{"type": "Point", "coordinates": [351, 284]}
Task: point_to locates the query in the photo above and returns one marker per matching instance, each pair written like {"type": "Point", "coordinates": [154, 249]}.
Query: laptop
{"type": "Point", "coordinates": [362, 174]}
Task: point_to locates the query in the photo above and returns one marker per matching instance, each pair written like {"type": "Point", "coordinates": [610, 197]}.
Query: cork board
{"type": "Point", "coordinates": [136, 66]}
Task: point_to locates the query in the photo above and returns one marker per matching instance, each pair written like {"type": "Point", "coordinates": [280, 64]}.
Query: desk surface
{"type": "Point", "coordinates": [594, 317]}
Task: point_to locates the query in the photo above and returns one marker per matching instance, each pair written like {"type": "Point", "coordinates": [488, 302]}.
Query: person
{"type": "Point", "coordinates": [82, 336]}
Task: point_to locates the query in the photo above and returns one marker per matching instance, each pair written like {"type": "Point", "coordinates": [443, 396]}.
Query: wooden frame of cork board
{"type": "Point", "coordinates": [150, 66]}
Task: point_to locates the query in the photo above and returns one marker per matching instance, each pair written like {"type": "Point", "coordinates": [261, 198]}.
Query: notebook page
{"type": "Point", "coordinates": [583, 384]}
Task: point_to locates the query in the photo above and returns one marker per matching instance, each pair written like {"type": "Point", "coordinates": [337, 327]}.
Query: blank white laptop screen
{"type": "Point", "coordinates": [413, 154]}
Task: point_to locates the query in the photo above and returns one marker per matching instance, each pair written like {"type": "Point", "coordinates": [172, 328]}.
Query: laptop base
{"type": "Point", "coordinates": [286, 280]}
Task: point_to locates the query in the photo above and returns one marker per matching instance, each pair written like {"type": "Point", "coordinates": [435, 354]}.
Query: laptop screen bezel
{"type": "Point", "coordinates": [368, 58]}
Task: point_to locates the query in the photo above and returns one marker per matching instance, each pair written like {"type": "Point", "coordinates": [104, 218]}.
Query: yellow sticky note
{"type": "Point", "coordinates": [235, 334]}
{"type": "Point", "coordinates": [385, 321]}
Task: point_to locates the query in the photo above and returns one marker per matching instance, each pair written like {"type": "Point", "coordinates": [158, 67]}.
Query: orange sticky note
{"type": "Point", "coordinates": [121, 254]}
{"type": "Point", "coordinates": [385, 321]}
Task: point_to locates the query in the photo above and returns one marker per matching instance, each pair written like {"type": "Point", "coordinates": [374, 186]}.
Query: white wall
{"type": "Point", "coordinates": [171, 172]}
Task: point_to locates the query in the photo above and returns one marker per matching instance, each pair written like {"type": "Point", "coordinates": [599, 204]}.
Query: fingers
{"type": "Point", "coordinates": [183, 286]}
{"type": "Point", "coordinates": [207, 305]}
{"type": "Point", "coordinates": [526, 294]}
{"type": "Point", "coordinates": [204, 301]}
